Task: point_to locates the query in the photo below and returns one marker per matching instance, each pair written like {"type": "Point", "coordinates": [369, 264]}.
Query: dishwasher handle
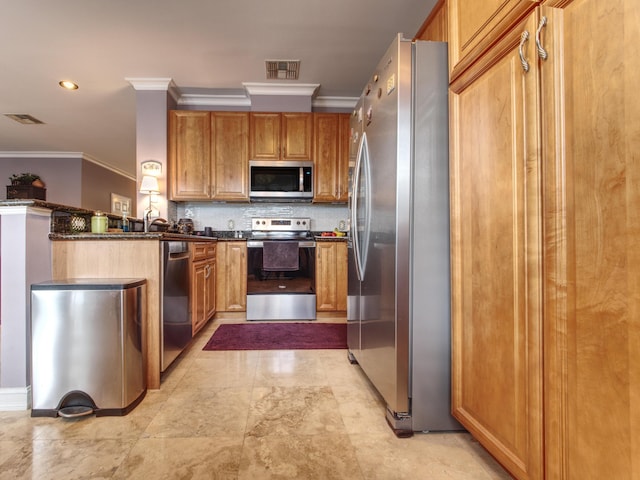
{"type": "Point", "coordinates": [178, 255]}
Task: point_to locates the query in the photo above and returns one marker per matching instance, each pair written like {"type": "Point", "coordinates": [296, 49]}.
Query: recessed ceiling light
{"type": "Point", "coordinates": [68, 84]}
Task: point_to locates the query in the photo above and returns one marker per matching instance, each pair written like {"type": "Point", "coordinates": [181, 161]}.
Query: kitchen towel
{"type": "Point", "coordinates": [281, 255]}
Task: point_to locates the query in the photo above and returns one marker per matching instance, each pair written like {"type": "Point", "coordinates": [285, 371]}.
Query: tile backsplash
{"type": "Point", "coordinates": [220, 216]}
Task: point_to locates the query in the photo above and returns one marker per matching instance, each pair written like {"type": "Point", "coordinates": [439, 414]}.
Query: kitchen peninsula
{"type": "Point", "coordinates": [36, 246]}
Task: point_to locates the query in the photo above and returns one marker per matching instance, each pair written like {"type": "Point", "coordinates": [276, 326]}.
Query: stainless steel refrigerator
{"type": "Point", "coordinates": [399, 292]}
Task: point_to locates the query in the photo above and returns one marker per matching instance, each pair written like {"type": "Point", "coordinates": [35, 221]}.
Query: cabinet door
{"type": "Point", "coordinates": [592, 256]}
{"type": "Point", "coordinates": [231, 279]}
{"type": "Point", "coordinates": [331, 276]}
{"type": "Point", "coordinates": [297, 131]}
{"type": "Point", "coordinates": [210, 282]}
{"type": "Point", "coordinates": [344, 145]}
{"type": "Point", "coordinates": [189, 155]}
{"type": "Point", "coordinates": [326, 134]}
{"type": "Point", "coordinates": [198, 295]}
{"type": "Point", "coordinates": [230, 154]}
{"type": "Point", "coordinates": [342, 275]}
{"type": "Point", "coordinates": [264, 136]}
{"type": "Point", "coordinates": [496, 247]}
{"type": "Point", "coordinates": [474, 26]}
{"type": "Point", "coordinates": [331, 157]}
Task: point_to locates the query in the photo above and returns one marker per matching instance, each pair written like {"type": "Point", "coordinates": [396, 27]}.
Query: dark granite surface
{"type": "Point", "coordinates": [131, 236]}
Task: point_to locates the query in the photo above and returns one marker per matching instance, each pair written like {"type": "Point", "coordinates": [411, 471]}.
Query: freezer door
{"type": "Point", "coordinates": [384, 353]}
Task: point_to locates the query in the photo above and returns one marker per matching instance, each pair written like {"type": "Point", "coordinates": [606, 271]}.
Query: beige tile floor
{"type": "Point", "coordinates": [305, 414]}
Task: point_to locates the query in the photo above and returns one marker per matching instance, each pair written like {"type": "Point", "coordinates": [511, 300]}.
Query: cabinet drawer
{"type": "Point", "coordinates": [202, 250]}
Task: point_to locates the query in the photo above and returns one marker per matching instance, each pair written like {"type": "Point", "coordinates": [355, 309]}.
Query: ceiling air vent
{"type": "Point", "coordinates": [283, 69]}
{"type": "Point", "coordinates": [24, 118]}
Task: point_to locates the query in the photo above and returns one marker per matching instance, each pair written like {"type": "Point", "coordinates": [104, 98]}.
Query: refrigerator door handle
{"type": "Point", "coordinates": [360, 244]}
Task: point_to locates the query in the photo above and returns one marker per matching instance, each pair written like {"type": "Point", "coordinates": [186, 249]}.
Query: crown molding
{"type": "Point", "coordinates": [241, 101]}
{"type": "Point", "coordinates": [334, 102]}
{"type": "Point", "coordinates": [193, 99]}
{"type": "Point", "coordinates": [277, 89]}
{"type": "Point", "coordinates": [165, 84]}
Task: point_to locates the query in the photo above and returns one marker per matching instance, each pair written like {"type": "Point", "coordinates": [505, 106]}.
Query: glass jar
{"type": "Point", "coordinates": [99, 222]}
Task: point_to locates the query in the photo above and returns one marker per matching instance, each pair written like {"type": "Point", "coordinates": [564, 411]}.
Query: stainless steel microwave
{"type": "Point", "coordinates": [280, 181]}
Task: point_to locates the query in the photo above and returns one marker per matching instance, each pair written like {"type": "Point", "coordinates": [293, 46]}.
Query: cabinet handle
{"type": "Point", "coordinates": [208, 271]}
{"type": "Point", "coordinates": [542, 53]}
{"type": "Point", "coordinates": [523, 39]}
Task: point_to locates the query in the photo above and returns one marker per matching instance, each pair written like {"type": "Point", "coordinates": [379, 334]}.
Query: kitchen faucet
{"type": "Point", "coordinates": [147, 217]}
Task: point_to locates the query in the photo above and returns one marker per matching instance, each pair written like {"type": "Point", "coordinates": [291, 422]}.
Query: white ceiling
{"type": "Point", "coordinates": [205, 46]}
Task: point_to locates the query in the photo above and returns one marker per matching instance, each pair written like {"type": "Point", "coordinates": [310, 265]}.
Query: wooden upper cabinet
{"type": "Point", "coordinates": [280, 136]}
{"type": "Point", "coordinates": [331, 156]}
{"type": "Point", "coordinates": [189, 155]}
{"type": "Point", "coordinates": [264, 136]}
{"type": "Point", "coordinates": [475, 25]}
{"type": "Point", "coordinates": [297, 131]}
{"type": "Point", "coordinates": [208, 155]}
{"type": "Point", "coordinates": [230, 155]}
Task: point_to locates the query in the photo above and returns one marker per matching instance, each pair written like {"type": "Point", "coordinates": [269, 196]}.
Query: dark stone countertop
{"type": "Point", "coordinates": [319, 238]}
{"type": "Point", "coordinates": [131, 236]}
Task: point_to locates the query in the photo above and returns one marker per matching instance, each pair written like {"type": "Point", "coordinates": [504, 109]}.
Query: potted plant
{"type": "Point", "coordinates": [26, 185]}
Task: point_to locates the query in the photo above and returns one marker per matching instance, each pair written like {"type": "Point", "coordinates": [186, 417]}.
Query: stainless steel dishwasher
{"type": "Point", "coordinates": [176, 330]}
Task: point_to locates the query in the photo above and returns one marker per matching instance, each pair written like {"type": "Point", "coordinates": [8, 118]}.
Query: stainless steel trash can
{"type": "Point", "coordinates": [86, 348]}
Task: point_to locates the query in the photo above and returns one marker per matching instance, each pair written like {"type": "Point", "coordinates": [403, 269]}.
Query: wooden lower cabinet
{"type": "Point", "coordinates": [203, 284]}
{"type": "Point", "coordinates": [331, 276]}
{"type": "Point", "coordinates": [231, 276]}
{"type": "Point", "coordinates": [545, 257]}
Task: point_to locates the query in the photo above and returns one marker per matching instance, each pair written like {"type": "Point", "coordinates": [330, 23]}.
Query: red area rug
{"type": "Point", "coordinates": [278, 336]}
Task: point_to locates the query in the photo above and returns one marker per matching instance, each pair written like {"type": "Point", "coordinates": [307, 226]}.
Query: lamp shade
{"type": "Point", "coordinates": [149, 185]}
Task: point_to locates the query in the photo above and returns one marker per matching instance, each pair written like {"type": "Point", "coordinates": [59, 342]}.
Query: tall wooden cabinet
{"type": "Point", "coordinates": [545, 257]}
{"type": "Point", "coordinates": [189, 155]}
{"type": "Point", "coordinates": [229, 156]}
{"type": "Point", "coordinates": [280, 136]}
{"type": "Point", "coordinates": [331, 157]}
{"type": "Point", "coordinates": [208, 155]}
{"type": "Point", "coordinates": [231, 276]}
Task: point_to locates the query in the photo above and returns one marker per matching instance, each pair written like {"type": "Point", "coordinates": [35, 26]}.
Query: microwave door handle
{"type": "Point", "coordinates": [301, 180]}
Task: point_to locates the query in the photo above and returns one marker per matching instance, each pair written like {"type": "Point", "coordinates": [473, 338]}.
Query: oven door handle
{"type": "Point", "coordinates": [259, 244]}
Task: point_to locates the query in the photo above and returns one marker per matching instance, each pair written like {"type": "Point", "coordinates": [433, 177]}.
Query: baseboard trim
{"type": "Point", "coordinates": [16, 398]}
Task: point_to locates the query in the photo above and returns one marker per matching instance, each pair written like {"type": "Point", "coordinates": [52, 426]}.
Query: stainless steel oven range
{"type": "Point", "coordinates": [281, 275]}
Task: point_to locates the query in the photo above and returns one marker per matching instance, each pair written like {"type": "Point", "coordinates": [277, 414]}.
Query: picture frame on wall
{"type": "Point", "coordinates": [120, 205]}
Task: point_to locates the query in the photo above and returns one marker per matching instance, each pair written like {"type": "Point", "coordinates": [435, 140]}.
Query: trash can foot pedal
{"type": "Point", "coordinates": [75, 411]}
